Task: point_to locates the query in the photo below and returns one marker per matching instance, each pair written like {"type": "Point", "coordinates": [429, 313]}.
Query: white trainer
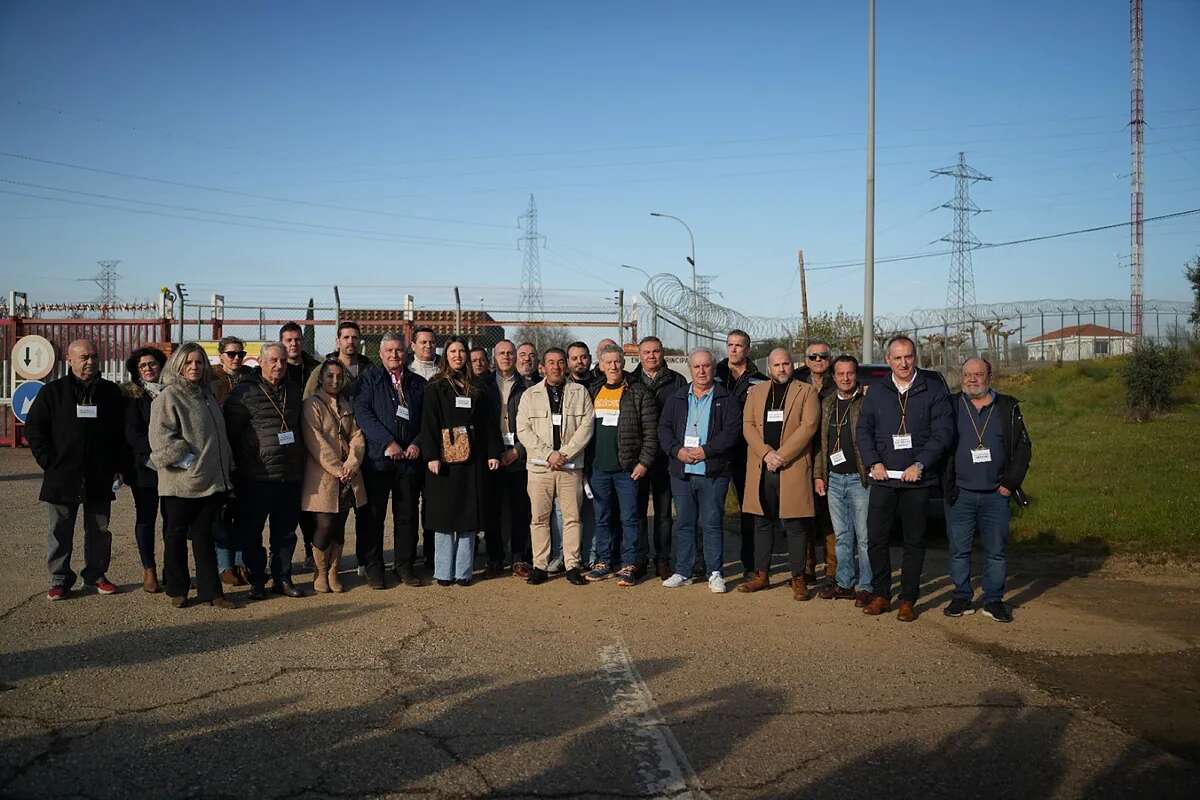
{"type": "Point", "coordinates": [675, 581]}
{"type": "Point", "coordinates": [716, 583]}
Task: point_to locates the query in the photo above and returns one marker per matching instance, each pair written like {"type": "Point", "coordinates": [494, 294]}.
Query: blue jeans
{"type": "Point", "coordinates": [699, 503]}
{"type": "Point", "coordinates": [616, 500]}
{"type": "Point", "coordinates": [987, 513]}
{"type": "Point", "coordinates": [228, 553]}
{"type": "Point", "coordinates": [453, 555]}
{"type": "Point", "coordinates": [848, 509]}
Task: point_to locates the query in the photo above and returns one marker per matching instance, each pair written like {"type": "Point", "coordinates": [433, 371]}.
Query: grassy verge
{"type": "Point", "coordinates": [1098, 481]}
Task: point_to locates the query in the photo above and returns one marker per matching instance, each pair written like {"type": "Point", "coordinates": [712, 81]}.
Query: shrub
{"type": "Point", "coordinates": [1151, 374]}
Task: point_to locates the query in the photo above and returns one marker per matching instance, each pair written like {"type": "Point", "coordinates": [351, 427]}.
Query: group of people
{"type": "Point", "coordinates": [556, 461]}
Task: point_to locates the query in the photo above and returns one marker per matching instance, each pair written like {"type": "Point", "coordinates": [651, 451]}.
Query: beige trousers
{"type": "Point", "coordinates": [544, 487]}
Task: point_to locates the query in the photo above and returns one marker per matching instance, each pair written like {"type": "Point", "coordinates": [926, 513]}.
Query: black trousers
{"type": "Point", "coordinates": [746, 521]}
{"type": "Point", "coordinates": [402, 486]}
{"type": "Point", "coordinates": [884, 504]}
{"type": "Point", "coordinates": [798, 529]}
{"type": "Point", "coordinates": [655, 487]}
{"type": "Point", "coordinates": [147, 505]}
{"type": "Point", "coordinates": [508, 517]}
{"type": "Point", "coordinates": [191, 518]}
{"type": "Point", "coordinates": [330, 527]}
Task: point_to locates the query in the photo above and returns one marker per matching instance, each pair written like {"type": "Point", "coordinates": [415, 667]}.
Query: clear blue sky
{"type": "Point", "coordinates": [747, 122]}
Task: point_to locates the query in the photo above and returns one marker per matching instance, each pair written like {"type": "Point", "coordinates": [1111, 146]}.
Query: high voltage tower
{"type": "Point", "coordinates": [106, 279]}
{"type": "Point", "coordinates": [1137, 123]}
{"type": "Point", "coordinates": [531, 271]}
{"type": "Point", "coordinates": [960, 291]}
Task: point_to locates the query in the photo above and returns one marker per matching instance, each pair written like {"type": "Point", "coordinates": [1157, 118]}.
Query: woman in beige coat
{"type": "Point", "coordinates": [333, 481]}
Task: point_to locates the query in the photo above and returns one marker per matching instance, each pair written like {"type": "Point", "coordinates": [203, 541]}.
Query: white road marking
{"type": "Point", "coordinates": [662, 766]}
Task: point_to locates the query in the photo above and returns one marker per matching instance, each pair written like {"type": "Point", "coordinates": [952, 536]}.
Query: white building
{"type": "Point", "coordinates": [1079, 342]}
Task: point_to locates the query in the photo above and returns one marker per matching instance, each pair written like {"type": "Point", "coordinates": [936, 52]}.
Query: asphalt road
{"type": "Point", "coordinates": [505, 690]}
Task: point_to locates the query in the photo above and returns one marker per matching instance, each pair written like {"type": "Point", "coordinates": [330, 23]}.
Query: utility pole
{"type": "Point", "coordinates": [803, 295]}
{"type": "Point", "coordinates": [960, 289]}
{"type": "Point", "coordinates": [531, 270]}
{"type": "Point", "coordinates": [1137, 124]}
{"type": "Point", "coordinates": [868, 337]}
{"type": "Point", "coordinates": [621, 319]}
{"type": "Point", "coordinates": [457, 313]}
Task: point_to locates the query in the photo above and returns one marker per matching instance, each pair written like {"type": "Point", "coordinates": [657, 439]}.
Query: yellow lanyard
{"type": "Point", "coordinates": [979, 432]}
{"type": "Point", "coordinates": [281, 412]}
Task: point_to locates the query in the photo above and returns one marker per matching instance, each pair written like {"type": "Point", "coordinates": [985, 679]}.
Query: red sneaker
{"type": "Point", "coordinates": [56, 593]}
{"type": "Point", "coordinates": [105, 586]}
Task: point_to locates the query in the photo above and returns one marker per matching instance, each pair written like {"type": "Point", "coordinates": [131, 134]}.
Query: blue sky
{"type": "Point", "coordinates": [437, 120]}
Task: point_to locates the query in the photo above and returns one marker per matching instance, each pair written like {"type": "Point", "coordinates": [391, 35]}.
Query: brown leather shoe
{"type": "Point", "coordinates": [799, 588]}
{"type": "Point", "coordinates": [520, 569]}
{"type": "Point", "coordinates": [150, 581]}
{"type": "Point", "coordinates": [243, 576]}
{"type": "Point", "coordinates": [760, 581]}
{"type": "Point", "coordinates": [834, 592]}
{"type": "Point", "coordinates": [906, 613]}
{"type": "Point", "coordinates": [861, 599]}
{"type": "Point", "coordinates": [229, 577]}
{"type": "Point", "coordinates": [878, 605]}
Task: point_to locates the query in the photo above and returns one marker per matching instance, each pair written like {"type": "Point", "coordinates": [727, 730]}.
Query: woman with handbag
{"type": "Point", "coordinates": [333, 481]}
{"type": "Point", "coordinates": [461, 429]}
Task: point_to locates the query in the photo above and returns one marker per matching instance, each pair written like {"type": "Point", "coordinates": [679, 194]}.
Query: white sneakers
{"type": "Point", "coordinates": [716, 583]}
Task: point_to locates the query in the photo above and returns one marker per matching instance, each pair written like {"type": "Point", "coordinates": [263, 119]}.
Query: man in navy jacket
{"type": "Point", "coordinates": [905, 429]}
{"type": "Point", "coordinates": [700, 430]}
{"type": "Point", "coordinates": [387, 407]}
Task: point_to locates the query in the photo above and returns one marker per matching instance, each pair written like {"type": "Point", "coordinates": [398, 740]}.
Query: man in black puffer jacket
{"type": "Point", "coordinates": [263, 422]}
{"type": "Point", "coordinates": [662, 382]}
{"type": "Point", "coordinates": [622, 451]}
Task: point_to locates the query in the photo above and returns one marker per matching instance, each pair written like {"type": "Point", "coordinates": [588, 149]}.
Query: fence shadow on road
{"type": "Point", "coordinates": [150, 644]}
{"type": "Point", "coordinates": [1008, 749]}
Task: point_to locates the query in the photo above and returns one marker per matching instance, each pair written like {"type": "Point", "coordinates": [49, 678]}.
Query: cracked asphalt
{"type": "Point", "coordinates": [501, 690]}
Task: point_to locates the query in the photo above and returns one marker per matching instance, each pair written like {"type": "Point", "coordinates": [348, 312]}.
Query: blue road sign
{"type": "Point", "coordinates": [22, 399]}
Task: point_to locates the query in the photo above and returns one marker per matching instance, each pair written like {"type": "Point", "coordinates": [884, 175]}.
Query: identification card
{"type": "Point", "coordinates": [86, 412]}
{"type": "Point", "coordinates": [775, 415]}
{"type": "Point", "coordinates": [610, 420]}
{"type": "Point", "coordinates": [556, 420]}
{"type": "Point", "coordinates": [691, 441]}
{"type": "Point", "coordinates": [287, 437]}
{"type": "Point", "coordinates": [902, 442]}
{"type": "Point", "coordinates": [837, 457]}
{"type": "Point", "coordinates": [402, 412]}
{"type": "Point", "coordinates": [981, 455]}
{"type": "Point", "coordinates": [895, 474]}
{"type": "Point", "coordinates": [509, 439]}
{"type": "Point", "coordinates": [462, 402]}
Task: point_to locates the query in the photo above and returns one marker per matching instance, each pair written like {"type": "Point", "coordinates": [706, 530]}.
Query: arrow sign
{"type": "Point", "coordinates": [27, 356]}
{"type": "Point", "coordinates": [22, 399]}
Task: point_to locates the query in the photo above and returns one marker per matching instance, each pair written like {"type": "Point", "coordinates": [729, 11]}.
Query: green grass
{"type": "Point", "coordinates": [1099, 482]}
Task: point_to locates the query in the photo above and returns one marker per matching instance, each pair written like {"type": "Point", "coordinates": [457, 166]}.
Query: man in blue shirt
{"type": "Point", "coordinates": [990, 458]}
{"type": "Point", "coordinates": [700, 428]}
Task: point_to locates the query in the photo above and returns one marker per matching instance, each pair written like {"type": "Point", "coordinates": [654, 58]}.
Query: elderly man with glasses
{"type": "Point", "coordinates": [818, 359]}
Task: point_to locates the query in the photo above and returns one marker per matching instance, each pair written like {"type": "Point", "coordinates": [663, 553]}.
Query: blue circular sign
{"type": "Point", "coordinates": [22, 399]}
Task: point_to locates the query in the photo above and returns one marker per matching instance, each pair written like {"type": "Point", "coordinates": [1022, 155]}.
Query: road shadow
{"type": "Point", "coordinates": [145, 646]}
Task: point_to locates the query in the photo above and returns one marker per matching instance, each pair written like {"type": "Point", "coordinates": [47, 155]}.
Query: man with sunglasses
{"type": "Point", "coordinates": [818, 360]}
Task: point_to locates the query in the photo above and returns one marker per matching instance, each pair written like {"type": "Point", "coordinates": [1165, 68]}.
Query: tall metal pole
{"type": "Point", "coordinates": [1137, 124]}
{"type": "Point", "coordinates": [803, 296]}
{"type": "Point", "coordinates": [695, 290]}
{"type": "Point", "coordinates": [869, 259]}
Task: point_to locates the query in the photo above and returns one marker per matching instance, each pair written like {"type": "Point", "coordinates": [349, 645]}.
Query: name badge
{"type": "Point", "coordinates": [691, 441]}
{"type": "Point", "coordinates": [402, 411]}
{"type": "Point", "coordinates": [775, 415]}
{"type": "Point", "coordinates": [287, 437]}
{"type": "Point", "coordinates": [462, 402]}
{"type": "Point", "coordinates": [610, 420]}
{"type": "Point", "coordinates": [509, 439]}
{"type": "Point", "coordinates": [981, 455]}
{"type": "Point", "coordinates": [86, 412]}
{"type": "Point", "coordinates": [837, 458]}
{"type": "Point", "coordinates": [556, 420]}
{"type": "Point", "coordinates": [902, 442]}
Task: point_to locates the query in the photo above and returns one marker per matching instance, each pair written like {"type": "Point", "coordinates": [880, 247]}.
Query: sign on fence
{"type": "Point", "coordinates": [22, 399]}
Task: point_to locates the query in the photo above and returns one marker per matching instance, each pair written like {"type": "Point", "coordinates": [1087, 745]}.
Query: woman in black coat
{"type": "Point", "coordinates": [456, 408]}
{"type": "Point", "coordinates": [145, 370]}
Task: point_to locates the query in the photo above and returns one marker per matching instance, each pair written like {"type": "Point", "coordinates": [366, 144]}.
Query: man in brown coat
{"type": "Point", "coordinates": [780, 420]}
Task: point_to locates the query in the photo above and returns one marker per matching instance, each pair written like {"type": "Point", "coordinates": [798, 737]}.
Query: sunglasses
{"type": "Point", "coordinates": [818, 356]}
{"type": "Point", "coordinates": [235, 353]}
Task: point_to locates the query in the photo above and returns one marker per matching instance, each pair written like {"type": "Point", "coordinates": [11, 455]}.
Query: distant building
{"type": "Point", "coordinates": [1078, 343]}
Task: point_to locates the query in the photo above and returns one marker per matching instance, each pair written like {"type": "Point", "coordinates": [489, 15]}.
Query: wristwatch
{"type": "Point", "coordinates": [920, 467]}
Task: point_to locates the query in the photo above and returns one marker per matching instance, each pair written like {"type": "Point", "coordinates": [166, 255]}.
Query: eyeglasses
{"type": "Point", "coordinates": [234, 353]}
{"type": "Point", "coordinates": [148, 365]}
{"type": "Point", "coordinates": [818, 356]}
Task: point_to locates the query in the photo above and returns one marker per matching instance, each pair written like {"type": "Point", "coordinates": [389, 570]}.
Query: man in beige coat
{"type": "Point", "coordinates": [779, 422]}
{"type": "Point", "coordinates": [554, 424]}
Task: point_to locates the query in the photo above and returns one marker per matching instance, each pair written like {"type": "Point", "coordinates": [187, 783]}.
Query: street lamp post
{"type": "Point", "coordinates": [692, 261]}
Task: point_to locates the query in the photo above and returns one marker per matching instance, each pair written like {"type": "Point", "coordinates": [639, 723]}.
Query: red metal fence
{"type": "Point", "coordinates": [115, 339]}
